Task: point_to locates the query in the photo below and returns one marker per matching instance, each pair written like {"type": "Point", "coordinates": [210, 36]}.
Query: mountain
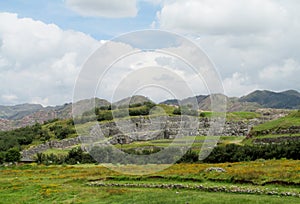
{"type": "Point", "coordinates": [132, 100]}
{"type": "Point", "coordinates": [280, 100]}
{"type": "Point", "coordinates": [18, 111]}
{"type": "Point", "coordinates": [28, 114]}
{"type": "Point", "coordinates": [204, 102]}
{"type": "Point", "coordinates": [86, 105]}
{"type": "Point", "coordinates": [172, 102]}
{"type": "Point", "coordinates": [186, 101]}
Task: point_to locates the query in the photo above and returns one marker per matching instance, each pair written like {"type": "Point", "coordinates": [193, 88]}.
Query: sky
{"type": "Point", "coordinates": [45, 44]}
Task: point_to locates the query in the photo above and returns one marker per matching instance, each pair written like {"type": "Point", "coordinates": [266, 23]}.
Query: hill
{"type": "Point", "coordinates": [28, 114]}
{"type": "Point", "coordinates": [289, 99]}
{"type": "Point", "coordinates": [204, 103]}
{"type": "Point", "coordinates": [289, 124]}
{"type": "Point", "coordinates": [280, 100]}
{"type": "Point", "coordinates": [137, 99]}
{"type": "Point", "coordinates": [17, 116]}
{"type": "Point", "coordinates": [18, 111]}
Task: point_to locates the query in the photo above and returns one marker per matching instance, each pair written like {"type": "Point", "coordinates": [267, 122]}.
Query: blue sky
{"type": "Point", "coordinates": [101, 28]}
{"type": "Point", "coordinates": [44, 44]}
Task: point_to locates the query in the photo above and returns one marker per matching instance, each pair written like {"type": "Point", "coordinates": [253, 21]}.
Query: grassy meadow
{"type": "Point", "coordinates": [273, 181]}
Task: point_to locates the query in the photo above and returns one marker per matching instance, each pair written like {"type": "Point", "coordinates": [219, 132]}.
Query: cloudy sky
{"type": "Point", "coordinates": [44, 44]}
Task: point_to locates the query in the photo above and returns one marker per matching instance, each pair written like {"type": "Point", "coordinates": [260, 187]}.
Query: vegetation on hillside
{"type": "Point", "coordinates": [237, 153]}
{"type": "Point", "coordinates": [56, 129]}
{"type": "Point", "coordinates": [293, 119]}
{"type": "Point", "coordinates": [22, 138]}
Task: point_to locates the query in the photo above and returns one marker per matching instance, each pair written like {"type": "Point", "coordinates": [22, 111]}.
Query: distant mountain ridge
{"type": "Point", "coordinates": [279, 100]}
{"type": "Point", "coordinates": [18, 111]}
{"type": "Point", "coordinates": [289, 99]}
{"type": "Point", "coordinates": [28, 114]}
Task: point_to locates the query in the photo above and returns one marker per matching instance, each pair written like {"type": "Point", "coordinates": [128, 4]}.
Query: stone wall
{"type": "Point", "coordinates": [144, 129]}
{"type": "Point", "coordinates": [29, 153]}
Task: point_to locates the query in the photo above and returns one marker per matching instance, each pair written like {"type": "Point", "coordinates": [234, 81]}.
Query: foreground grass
{"type": "Point", "coordinates": [69, 184]}
{"type": "Point", "coordinates": [143, 196]}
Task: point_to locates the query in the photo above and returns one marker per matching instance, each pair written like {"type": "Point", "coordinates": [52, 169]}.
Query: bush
{"type": "Point", "coordinates": [2, 157]}
{"type": "Point", "coordinates": [189, 157]}
{"type": "Point", "coordinates": [104, 115]}
{"type": "Point", "coordinates": [237, 153]}
{"type": "Point", "coordinates": [13, 155]}
{"type": "Point", "coordinates": [143, 110]}
{"type": "Point", "coordinates": [185, 110]}
{"type": "Point", "coordinates": [62, 132]}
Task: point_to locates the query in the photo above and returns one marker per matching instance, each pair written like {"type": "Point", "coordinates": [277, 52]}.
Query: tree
{"type": "Point", "coordinates": [44, 136]}
{"type": "Point", "coordinates": [13, 155]}
{"type": "Point", "coordinates": [75, 155]}
{"type": "Point", "coordinates": [2, 157]}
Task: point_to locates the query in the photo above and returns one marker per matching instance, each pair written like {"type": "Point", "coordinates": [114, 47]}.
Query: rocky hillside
{"type": "Point", "coordinates": [12, 117]}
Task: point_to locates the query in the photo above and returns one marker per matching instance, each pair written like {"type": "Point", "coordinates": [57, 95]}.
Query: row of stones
{"type": "Point", "coordinates": [232, 189]}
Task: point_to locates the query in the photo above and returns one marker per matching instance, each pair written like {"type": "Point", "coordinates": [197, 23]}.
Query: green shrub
{"type": "Point", "coordinates": [13, 155]}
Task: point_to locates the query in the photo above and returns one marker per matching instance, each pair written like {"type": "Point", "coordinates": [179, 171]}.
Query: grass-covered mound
{"type": "Point", "coordinates": [275, 126]}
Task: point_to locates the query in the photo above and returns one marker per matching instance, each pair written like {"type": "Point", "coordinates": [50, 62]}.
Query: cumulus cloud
{"type": "Point", "coordinates": [104, 8]}
{"type": "Point", "coordinates": [254, 45]}
{"type": "Point", "coordinates": [285, 74]}
{"type": "Point", "coordinates": [252, 40]}
{"type": "Point", "coordinates": [224, 16]}
{"type": "Point", "coordinates": [238, 84]}
{"type": "Point", "coordinates": [39, 62]}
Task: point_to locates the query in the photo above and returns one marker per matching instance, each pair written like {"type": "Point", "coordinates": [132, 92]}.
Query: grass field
{"type": "Point", "coordinates": [251, 182]}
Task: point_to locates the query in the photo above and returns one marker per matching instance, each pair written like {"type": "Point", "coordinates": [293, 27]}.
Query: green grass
{"type": "Point", "coordinates": [69, 184]}
{"type": "Point", "coordinates": [237, 116]}
{"type": "Point", "coordinates": [111, 195]}
{"type": "Point", "coordinates": [197, 144]}
{"type": "Point", "coordinates": [233, 116]}
{"type": "Point", "coordinates": [293, 119]}
{"type": "Point", "coordinates": [168, 109]}
{"type": "Point", "coordinates": [56, 151]}
{"type": "Point", "coordinates": [146, 196]}
{"type": "Point", "coordinates": [249, 141]}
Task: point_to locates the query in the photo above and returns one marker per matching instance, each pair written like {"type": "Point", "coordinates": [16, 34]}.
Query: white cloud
{"type": "Point", "coordinates": [242, 37]}
{"type": "Point", "coordinates": [223, 16]}
{"type": "Point", "coordinates": [238, 85]}
{"type": "Point", "coordinates": [39, 60]}
{"type": "Point", "coordinates": [155, 2]}
{"type": "Point", "coordinates": [289, 68]}
{"type": "Point", "coordinates": [10, 98]}
{"type": "Point", "coordinates": [104, 8]}
{"type": "Point", "coordinates": [39, 100]}
{"type": "Point", "coordinates": [285, 74]}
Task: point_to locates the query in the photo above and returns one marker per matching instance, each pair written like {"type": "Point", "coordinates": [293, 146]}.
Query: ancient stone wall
{"type": "Point", "coordinates": [143, 129]}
